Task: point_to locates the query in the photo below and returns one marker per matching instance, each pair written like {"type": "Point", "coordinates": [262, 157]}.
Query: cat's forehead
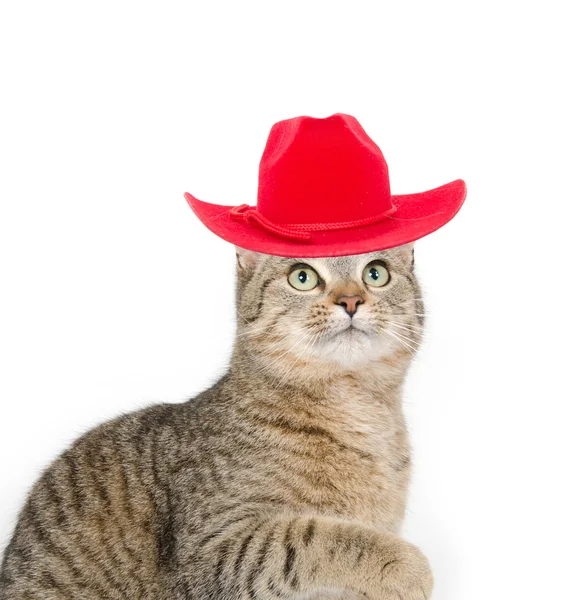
{"type": "Point", "coordinates": [340, 266]}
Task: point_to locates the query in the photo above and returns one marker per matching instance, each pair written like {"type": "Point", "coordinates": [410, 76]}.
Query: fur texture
{"type": "Point", "coordinates": [286, 479]}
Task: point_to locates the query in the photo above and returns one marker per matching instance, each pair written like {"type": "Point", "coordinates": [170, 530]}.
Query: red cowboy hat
{"type": "Point", "coordinates": [324, 191]}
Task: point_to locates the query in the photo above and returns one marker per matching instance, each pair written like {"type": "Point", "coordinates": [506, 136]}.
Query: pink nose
{"type": "Point", "coordinates": [350, 303]}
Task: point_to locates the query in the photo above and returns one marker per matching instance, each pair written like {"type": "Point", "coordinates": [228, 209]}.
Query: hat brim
{"type": "Point", "coordinates": [417, 215]}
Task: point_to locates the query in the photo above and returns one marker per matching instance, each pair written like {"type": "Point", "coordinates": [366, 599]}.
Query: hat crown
{"type": "Point", "coordinates": [322, 170]}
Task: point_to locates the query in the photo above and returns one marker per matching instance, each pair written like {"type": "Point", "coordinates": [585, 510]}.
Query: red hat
{"type": "Point", "coordinates": [324, 191]}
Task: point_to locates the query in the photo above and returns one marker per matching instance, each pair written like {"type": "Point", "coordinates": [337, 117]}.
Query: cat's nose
{"type": "Point", "coordinates": [350, 303]}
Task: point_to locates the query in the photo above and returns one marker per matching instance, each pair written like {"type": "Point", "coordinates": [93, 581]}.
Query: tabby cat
{"type": "Point", "coordinates": [285, 480]}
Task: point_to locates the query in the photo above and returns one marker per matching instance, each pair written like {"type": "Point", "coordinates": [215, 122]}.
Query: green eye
{"type": "Point", "coordinates": [303, 279]}
{"type": "Point", "coordinates": [375, 274]}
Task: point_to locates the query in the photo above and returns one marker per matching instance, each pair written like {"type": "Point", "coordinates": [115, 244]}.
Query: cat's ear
{"type": "Point", "coordinates": [406, 254]}
{"type": "Point", "coordinates": [246, 260]}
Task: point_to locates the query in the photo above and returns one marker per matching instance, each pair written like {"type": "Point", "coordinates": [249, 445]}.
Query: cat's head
{"type": "Point", "coordinates": [340, 313]}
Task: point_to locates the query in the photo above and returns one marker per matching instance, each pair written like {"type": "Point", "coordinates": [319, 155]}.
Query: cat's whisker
{"type": "Point", "coordinates": [242, 317]}
{"type": "Point", "coordinates": [408, 346]}
{"type": "Point", "coordinates": [404, 326]}
{"type": "Point", "coordinates": [308, 347]}
{"type": "Point", "coordinates": [279, 346]}
{"type": "Point", "coordinates": [253, 330]}
{"type": "Point", "coordinates": [266, 329]}
{"type": "Point", "coordinates": [405, 329]}
{"type": "Point", "coordinates": [273, 325]}
{"type": "Point", "coordinates": [270, 364]}
{"type": "Point", "coordinates": [288, 371]}
{"type": "Point", "coordinates": [403, 335]}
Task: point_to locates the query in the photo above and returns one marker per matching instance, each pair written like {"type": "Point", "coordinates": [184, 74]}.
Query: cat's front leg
{"type": "Point", "coordinates": [313, 557]}
{"type": "Point", "coordinates": [330, 554]}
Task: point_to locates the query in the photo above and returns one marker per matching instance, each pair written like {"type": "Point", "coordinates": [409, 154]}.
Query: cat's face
{"type": "Point", "coordinates": [345, 311]}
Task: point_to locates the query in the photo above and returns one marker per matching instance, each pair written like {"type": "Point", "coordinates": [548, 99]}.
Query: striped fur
{"type": "Point", "coordinates": [285, 480]}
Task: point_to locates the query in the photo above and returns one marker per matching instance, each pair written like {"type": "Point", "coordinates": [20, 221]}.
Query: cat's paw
{"type": "Point", "coordinates": [403, 573]}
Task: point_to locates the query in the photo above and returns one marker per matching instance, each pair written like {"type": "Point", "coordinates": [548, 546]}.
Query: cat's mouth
{"type": "Point", "coordinates": [351, 330]}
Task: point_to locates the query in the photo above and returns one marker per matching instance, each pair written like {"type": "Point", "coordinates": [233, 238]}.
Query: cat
{"type": "Point", "coordinates": [286, 479]}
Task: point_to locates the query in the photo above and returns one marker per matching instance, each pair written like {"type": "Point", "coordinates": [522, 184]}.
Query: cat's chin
{"type": "Point", "coordinates": [351, 347]}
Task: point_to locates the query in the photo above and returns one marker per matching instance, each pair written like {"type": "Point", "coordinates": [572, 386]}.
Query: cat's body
{"type": "Point", "coordinates": [286, 479]}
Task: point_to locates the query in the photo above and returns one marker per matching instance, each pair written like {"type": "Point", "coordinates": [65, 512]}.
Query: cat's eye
{"type": "Point", "coordinates": [375, 274]}
{"type": "Point", "coordinates": [303, 278]}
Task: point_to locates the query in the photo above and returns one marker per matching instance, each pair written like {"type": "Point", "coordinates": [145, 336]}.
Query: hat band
{"type": "Point", "coordinates": [301, 231]}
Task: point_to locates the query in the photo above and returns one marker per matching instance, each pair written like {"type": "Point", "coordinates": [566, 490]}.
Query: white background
{"type": "Point", "coordinates": [114, 296]}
